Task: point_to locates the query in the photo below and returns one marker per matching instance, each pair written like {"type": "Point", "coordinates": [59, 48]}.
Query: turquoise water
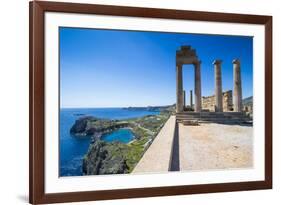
{"type": "Point", "coordinates": [72, 149]}
{"type": "Point", "coordinates": [121, 135]}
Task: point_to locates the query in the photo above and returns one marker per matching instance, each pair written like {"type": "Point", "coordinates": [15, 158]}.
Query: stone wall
{"type": "Point", "coordinates": [227, 101]}
{"type": "Point", "coordinates": [248, 108]}
{"type": "Point", "coordinates": [208, 102]}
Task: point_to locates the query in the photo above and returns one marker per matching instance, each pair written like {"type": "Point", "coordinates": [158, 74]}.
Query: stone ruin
{"type": "Point", "coordinates": [209, 102]}
{"type": "Point", "coordinates": [222, 107]}
{"type": "Point", "coordinates": [220, 102]}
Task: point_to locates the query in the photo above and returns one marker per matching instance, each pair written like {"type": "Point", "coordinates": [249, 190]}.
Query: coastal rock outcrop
{"type": "Point", "coordinates": [105, 158]}
{"type": "Point", "coordinates": [89, 125]}
{"type": "Point", "coordinates": [80, 125]}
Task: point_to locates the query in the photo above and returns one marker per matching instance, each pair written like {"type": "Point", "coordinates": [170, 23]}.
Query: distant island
{"type": "Point", "coordinates": [117, 157]}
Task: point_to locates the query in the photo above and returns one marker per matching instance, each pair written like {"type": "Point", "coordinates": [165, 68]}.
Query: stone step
{"type": "Point", "coordinates": [205, 116]}
{"type": "Point", "coordinates": [223, 121]}
{"type": "Point", "coordinates": [218, 118]}
{"type": "Point", "coordinates": [209, 113]}
{"type": "Point", "coordinates": [215, 117]}
{"type": "Point", "coordinates": [223, 117]}
{"type": "Point", "coordinates": [212, 116]}
{"type": "Point", "coordinates": [190, 122]}
{"type": "Point", "coordinates": [226, 122]}
{"type": "Point", "coordinates": [227, 115]}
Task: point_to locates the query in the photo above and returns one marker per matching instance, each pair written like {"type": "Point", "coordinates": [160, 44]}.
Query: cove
{"type": "Point", "coordinates": [73, 149]}
{"type": "Point", "coordinates": [121, 135]}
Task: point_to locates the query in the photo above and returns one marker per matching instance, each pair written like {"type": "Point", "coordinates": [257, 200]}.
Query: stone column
{"type": "Point", "coordinates": [218, 86]}
{"type": "Point", "coordinates": [191, 100]}
{"type": "Point", "coordinates": [183, 95]}
{"type": "Point", "coordinates": [179, 106]}
{"type": "Point", "coordinates": [237, 87]}
{"type": "Point", "coordinates": [197, 80]}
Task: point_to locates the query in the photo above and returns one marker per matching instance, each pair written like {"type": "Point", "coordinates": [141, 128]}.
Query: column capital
{"type": "Point", "coordinates": [216, 62]}
{"type": "Point", "coordinates": [178, 64]}
{"type": "Point", "coordinates": [236, 61]}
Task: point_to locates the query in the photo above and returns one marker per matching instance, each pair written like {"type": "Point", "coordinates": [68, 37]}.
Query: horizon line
{"type": "Point", "coordinates": [67, 107]}
{"type": "Point", "coordinates": [120, 106]}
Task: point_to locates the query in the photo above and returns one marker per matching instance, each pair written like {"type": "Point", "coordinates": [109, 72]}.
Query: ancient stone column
{"type": "Point", "coordinates": [237, 87]}
{"type": "Point", "coordinates": [183, 95]}
{"type": "Point", "coordinates": [197, 86]}
{"type": "Point", "coordinates": [179, 106]}
{"type": "Point", "coordinates": [191, 100]}
{"type": "Point", "coordinates": [218, 86]}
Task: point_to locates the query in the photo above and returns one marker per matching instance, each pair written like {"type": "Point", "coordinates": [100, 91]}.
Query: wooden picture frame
{"type": "Point", "coordinates": [37, 193]}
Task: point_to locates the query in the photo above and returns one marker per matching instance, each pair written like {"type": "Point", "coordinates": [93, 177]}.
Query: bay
{"type": "Point", "coordinates": [72, 149]}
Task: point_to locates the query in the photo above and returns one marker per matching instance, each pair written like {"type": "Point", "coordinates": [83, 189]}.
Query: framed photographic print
{"type": "Point", "coordinates": [139, 102]}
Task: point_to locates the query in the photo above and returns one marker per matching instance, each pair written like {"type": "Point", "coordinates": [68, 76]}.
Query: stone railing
{"type": "Point", "coordinates": [158, 156]}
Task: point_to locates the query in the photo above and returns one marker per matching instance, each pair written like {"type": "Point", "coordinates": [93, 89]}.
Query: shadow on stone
{"type": "Point", "coordinates": [246, 124]}
{"type": "Point", "coordinates": [175, 159]}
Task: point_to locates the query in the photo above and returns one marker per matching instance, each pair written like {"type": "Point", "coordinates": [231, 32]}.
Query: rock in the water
{"type": "Point", "coordinates": [105, 158]}
{"type": "Point", "coordinates": [90, 126]}
{"type": "Point", "coordinates": [80, 125]}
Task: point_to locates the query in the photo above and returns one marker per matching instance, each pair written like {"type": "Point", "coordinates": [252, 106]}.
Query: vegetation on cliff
{"type": "Point", "coordinates": [91, 125]}
{"type": "Point", "coordinates": [116, 157]}
{"type": "Point", "coordinates": [105, 158]}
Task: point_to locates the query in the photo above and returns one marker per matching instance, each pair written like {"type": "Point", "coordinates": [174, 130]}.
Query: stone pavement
{"type": "Point", "coordinates": [215, 146]}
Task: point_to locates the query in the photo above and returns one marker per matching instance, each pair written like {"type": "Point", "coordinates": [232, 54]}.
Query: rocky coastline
{"type": "Point", "coordinates": [116, 157]}
{"type": "Point", "coordinates": [95, 127]}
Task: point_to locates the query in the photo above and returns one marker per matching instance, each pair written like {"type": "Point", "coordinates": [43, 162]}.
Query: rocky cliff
{"type": "Point", "coordinates": [92, 126]}
{"type": "Point", "coordinates": [105, 158]}
{"type": "Point", "coordinates": [115, 157]}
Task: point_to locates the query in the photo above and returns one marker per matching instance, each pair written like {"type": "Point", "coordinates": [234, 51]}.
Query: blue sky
{"type": "Point", "coordinates": [111, 68]}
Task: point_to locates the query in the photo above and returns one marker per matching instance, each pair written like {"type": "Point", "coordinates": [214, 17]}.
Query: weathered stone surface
{"type": "Point", "coordinates": [237, 86]}
{"type": "Point", "coordinates": [209, 102]}
{"type": "Point", "coordinates": [191, 99]}
{"type": "Point", "coordinates": [187, 55]}
{"type": "Point", "coordinates": [184, 98]}
{"type": "Point", "coordinates": [197, 86]}
{"type": "Point", "coordinates": [179, 106]}
{"type": "Point", "coordinates": [218, 86]}
{"type": "Point", "coordinates": [190, 122]}
{"type": "Point", "coordinates": [215, 146]}
{"type": "Point", "coordinates": [215, 117]}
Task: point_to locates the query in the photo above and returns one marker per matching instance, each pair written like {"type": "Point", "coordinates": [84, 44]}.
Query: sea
{"type": "Point", "coordinates": [72, 149]}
